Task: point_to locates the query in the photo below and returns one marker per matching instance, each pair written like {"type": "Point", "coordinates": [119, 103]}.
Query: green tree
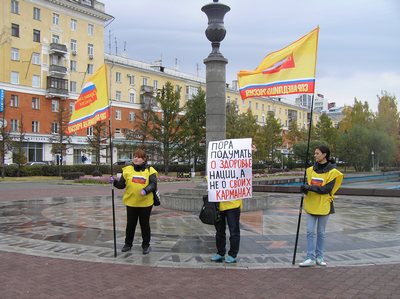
{"type": "Point", "coordinates": [359, 114]}
{"type": "Point", "coordinates": [294, 135]}
{"type": "Point", "coordinates": [194, 128]}
{"type": "Point", "coordinates": [353, 147]}
{"type": "Point", "coordinates": [98, 141]}
{"type": "Point", "coordinates": [387, 121]}
{"type": "Point", "coordinates": [240, 125]}
{"type": "Point", "coordinates": [5, 144]}
{"type": "Point", "coordinates": [271, 138]}
{"type": "Point", "coordinates": [19, 155]}
{"type": "Point", "coordinates": [59, 138]}
{"type": "Point", "coordinates": [326, 132]}
{"type": "Point", "coordinates": [168, 124]}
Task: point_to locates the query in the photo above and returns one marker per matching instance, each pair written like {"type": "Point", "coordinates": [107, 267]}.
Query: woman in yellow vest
{"type": "Point", "coordinates": [140, 181]}
{"type": "Point", "coordinates": [323, 180]}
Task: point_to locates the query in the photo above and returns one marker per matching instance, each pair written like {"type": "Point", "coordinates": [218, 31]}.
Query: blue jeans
{"type": "Point", "coordinates": [317, 250]}
{"type": "Point", "coordinates": [232, 217]}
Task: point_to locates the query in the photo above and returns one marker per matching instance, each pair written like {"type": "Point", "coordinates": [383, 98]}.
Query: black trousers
{"type": "Point", "coordinates": [232, 217]}
{"type": "Point", "coordinates": [132, 216]}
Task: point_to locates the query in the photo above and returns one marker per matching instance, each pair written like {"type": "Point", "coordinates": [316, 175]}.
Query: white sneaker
{"type": "Point", "coordinates": [320, 261]}
{"type": "Point", "coordinates": [307, 263]}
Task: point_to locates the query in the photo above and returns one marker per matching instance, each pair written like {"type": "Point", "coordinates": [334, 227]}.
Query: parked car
{"type": "Point", "coordinates": [36, 163]}
{"type": "Point", "coordinates": [123, 162]}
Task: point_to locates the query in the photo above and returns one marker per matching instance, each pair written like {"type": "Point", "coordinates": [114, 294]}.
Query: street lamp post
{"type": "Point", "coordinates": [373, 160]}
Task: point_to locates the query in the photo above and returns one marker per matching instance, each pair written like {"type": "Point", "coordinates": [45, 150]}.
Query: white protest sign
{"type": "Point", "coordinates": [229, 170]}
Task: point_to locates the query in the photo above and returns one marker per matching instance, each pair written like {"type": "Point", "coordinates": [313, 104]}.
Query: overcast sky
{"type": "Point", "coordinates": [358, 51]}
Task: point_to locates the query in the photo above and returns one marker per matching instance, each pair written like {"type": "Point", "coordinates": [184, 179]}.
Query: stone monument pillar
{"type": "Point", "coordinates": [215, 73]}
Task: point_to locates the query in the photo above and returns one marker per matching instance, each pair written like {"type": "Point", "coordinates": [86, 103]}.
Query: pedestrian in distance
{"type": "Point", "coordinates": [323, 180]}
{"type": "Point", "coordinates": [139, 182]}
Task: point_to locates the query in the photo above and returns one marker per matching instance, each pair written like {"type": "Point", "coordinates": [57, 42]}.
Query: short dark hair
{"type": "Point", "coordinates": [140, 153]}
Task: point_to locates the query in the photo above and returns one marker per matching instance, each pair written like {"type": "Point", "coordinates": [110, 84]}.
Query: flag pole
{"type": "Point", "coordinates": [111, 162]}
{"type": "Point", "coordinates": [304, 181]}
{"type": "Point", "coordinates": [112, 188]}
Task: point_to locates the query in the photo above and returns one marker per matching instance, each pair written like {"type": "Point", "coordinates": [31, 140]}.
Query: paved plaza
{"type": "Point", "coordinates": [55, 237]}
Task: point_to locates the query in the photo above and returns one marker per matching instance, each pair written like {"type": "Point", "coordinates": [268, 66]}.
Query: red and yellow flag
{"type": "Point", "coordinates": [92, 105]}
{"type": "Point", "coordinates": [290, 70]}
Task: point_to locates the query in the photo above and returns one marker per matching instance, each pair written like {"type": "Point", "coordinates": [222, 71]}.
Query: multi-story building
{"type": "Point", "coordinates": [320, 103]}
{"type": "Point", "coordinates": [48, 49]}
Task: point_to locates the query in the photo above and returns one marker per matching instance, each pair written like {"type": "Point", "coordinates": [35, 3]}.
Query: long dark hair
{"type": "Point", "coordinates": [325, 150]}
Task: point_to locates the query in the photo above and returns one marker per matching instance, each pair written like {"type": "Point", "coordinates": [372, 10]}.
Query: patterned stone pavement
{"type": "Point", "coordinates": [363, 231]}
{"type": "Point", "coordinates": [56, 241]}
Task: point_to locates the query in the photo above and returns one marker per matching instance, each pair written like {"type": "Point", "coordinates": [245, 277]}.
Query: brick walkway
{"type": "Point", "coordinates": [27, 272]}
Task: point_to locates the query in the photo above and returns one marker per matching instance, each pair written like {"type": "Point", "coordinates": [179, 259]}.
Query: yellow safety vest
{"type": "Point", "coordinates": [135, 182]}
{"type": "Point", "coordinates": [320, 204]}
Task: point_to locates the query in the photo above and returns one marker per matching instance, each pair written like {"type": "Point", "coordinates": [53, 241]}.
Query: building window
{"type": "Point", "coordinates": [249, 104]}
{"type": "Point", "coordinates": [36, 13]}
{"type": "Point", "coordinates": [73, 66]}
{"type": "Point", "coordinates": [89, 131]}
{"type": "Point", "coordinates": [36, 103]}
{"type": "Point", "coordinates": [71, 107]}
{"type": "Point", "coordinates": [14, 125]}
{"type": "Point", "coordinates": [256, 106]}
{"type": "Point", "coordinates": [74, 46]}
{"type": "Point", "coordinates": [55, 105]}
{"type": "Point", "coordinates": [74, 24]}
{"type": "Point", "coordinates": [15, 6]}
{"type": "Point", "coordinates": [118, 96]}
{"type": "Point", "coordinates": [35, 81]}
{"type": "Point", "coordinates": [90, 49]}
{"type": "Point", "coordinates": [118, 114]}
{"type": "Point", "coordinates": [35, 126]}
{"type": "Point", "coordinates": [36, 35]}
{"type": "Point", "coordinates": [132, 97]}
{"type": "Point", "coordinates": [15, 30]}
{"type": "Point", "coordinates": [14, 54]}
{"type": "Point", "coordinates": [131, 79]}
{"type": "Point", "coordinates": [90, 68]}
{"type": "Point", "coordinates": [155, 84]}
{"type": "Point", "coordinates": [144, 81]}
{"type": "Point", "coordinates": [118, 77]}
{"type": "Point", "coordinates": [132, 116]}
{"type": "Point", "coordinates": [72, 86]}
{"type": "Point", "coordinates": [56, 19]}
{"type": "Point", "coordinates": [36, 58]}
{"type": "Point", "coordinates": [14, 101]}
{"type": "Point", "coordinates": [54, 128]}
{"type": "Point", "coordinates": [55, 39]}
{"type": "Point", "coordinates": [14, 78]}
{"type": "Point", "coordinates": [90, 29]}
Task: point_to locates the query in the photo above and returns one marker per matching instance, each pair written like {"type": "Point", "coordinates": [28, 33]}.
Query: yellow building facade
{"type": "Point", "coordinates": [48, 49]}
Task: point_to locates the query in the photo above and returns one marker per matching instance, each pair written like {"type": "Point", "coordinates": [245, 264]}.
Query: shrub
{"type": "Point", "coordinates": [72, 175]}
{"type": "Point", "coordinates": [97, 172]}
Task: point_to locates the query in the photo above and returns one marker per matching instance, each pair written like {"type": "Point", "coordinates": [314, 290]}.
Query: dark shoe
{"type": "Point", "coordinates": [146, 250]}
{"type": "Point", "coordinates": [126, 248]}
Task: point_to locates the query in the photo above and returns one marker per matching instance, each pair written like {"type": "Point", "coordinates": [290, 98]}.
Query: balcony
{"type": "Point", "coordinates": [148, 102]}
{"type": "Point", "coordinates": [57, 70]}
{"type": "Point", "coordinates": [57, 87]}
{"type": "Point", "coordinates": [146, 89]}
{"type": "Point", "coordinates": [58, 48]}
